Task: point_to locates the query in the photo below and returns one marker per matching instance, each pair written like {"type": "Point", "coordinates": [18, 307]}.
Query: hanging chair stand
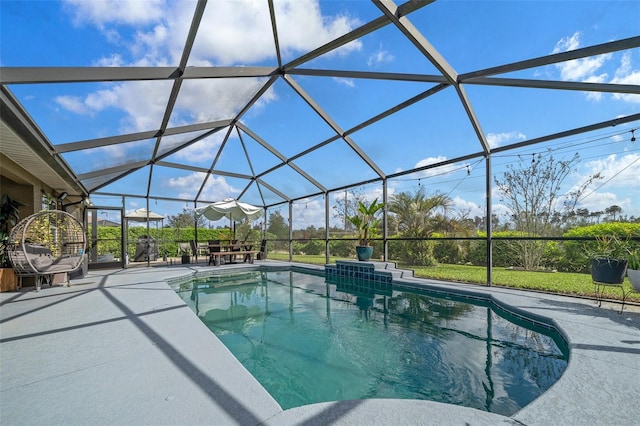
{"type": "Point", "coordinates": [47, 243]}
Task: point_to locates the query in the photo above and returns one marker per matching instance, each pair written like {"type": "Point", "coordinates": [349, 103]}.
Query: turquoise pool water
{"type": "Point", "coordinates": [307, 342]}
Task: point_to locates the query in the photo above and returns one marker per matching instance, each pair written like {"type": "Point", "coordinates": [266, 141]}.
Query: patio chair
{"type": "Point", "coordinates": [248, 256]}
{"type": "Point", "coordinates": [183, 248]}
{"type": "Point", "coordinates": [46, 243]}
{"type": "Point", "coordinates": [263, 250]}
{"type": "Point", "coordinates": [198, 249]}
{"type": "Point", "coordinates": [213, 257]}
{"type": "Point", "coordinates": [235, 247]}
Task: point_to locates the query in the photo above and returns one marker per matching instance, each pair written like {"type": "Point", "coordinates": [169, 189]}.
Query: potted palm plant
{"type": "Point", "coordinates": [609, 260]}
{"type": "Point", "coordinates": [366, 222]}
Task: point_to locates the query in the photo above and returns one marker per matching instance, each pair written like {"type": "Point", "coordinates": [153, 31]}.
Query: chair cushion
{"type": "Point", "coordinates": [41, 262]}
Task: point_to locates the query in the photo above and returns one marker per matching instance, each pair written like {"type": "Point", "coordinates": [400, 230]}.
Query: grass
{"type": "Point", "coordinates": [568, 283]}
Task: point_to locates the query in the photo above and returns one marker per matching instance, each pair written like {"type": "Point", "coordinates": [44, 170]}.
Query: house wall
{"type": "Point", "coordinates": [22, 186]}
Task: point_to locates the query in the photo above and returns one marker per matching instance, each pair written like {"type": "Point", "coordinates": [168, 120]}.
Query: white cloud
{"type": "Point", "coordinates": [625, 74]}
{"type": "Point", "coordinates": [217, 188]}
{"type": "Point", "coordinates": [578, 69]}
{"type": "Point", "coordinates": [623, 171]}
{"type": "Point", "coordinates": [430, 160]}
{"type": "Point", "coordinates": [599, 201]}
{"type": "Point", "coordinates": [158, 39]}
{"type": "Point", "coordinates": [619, 183]}
{"type": "Point", "coordinates": [73, 104]}
{"type": "Point", "coordinates": [92, 103]}
{"type": "Point", "coordinates": [307, 212]}
{"type": "Point", "coordinates": [114, 153]}
{"type": "Point", "coordinates": [115, 60]}
{"type": "Point", "coordinates": [188, 185]}
{"type": "Point", "coordinates": [436, 171]}
{"type": "Point", "coordinates": [500, 210]}
{"type": "Point", "coordinates": [101, 100]}
{"type": "Point", "coordinates": [584, 69]}
{"type": "Point", "coordinates": [591, 70]}
{"type": "Point", "coordinates": [568, 43]}
{"type": "Point", "coordinates": [143, 102]}
{"type": "Point", "coordinates": [463, 206]}
{"type": "Point", "coordinates": [128, 12]}
{"type": "Point", "coordinates": [345, 81]}
{"type": "Point", "coordinates": [202, 151]}
{"type": "Point", "coordinates": [209, 100]}
{"type": "Point", "coordinates": [595, 96]}
{"type": "Point", "coordinates": [498, 139]}
{"type": "Point", "coordinates": [379, 57]}
{"type": "Point", "coordinates": [243, 29]}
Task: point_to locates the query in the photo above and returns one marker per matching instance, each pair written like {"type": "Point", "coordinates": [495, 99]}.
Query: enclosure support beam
{"type": "Point", "coordinates": [489, 223]}
{"type": "Point", "coordinates": [385, 210]}
{"type": "Point", "coordinates": [290, 231]}
{"type": "Point", "coordinates": [327, 253]}
{"type": "Point", "coordinates": [148, 233]}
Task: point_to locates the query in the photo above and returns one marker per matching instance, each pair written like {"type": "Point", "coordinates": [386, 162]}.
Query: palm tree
{"type": "Point", "coordinates": [419, 216]}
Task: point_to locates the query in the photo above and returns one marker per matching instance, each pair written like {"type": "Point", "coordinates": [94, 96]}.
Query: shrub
{"type": "Point", "coordinates": [513, 252]}
{"type": "Point", "coordinates": [447, 251]}
{"type": "Point", "coordinates": [576, 253]}
{"type": "Point", "coordinates": [313, 247]}
{"type": "Point", "coordinates": [341, 248]}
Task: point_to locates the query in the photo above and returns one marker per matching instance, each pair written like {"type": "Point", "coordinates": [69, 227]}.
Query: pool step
{"type": "Point", "coordinates": [366, 270]}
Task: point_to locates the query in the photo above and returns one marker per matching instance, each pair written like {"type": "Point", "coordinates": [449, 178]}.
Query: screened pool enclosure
{"type": "Point", "coordinates": [446, 111]}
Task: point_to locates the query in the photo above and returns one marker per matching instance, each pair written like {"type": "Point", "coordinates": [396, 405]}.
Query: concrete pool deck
{"type": "Point", "coordinates": [120, 347]}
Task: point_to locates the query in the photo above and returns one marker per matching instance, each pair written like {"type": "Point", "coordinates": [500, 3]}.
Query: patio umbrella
{"type": "Point", "coordinates": [231, 208]}
{"type": "Point", "coordinates": [144, 215]}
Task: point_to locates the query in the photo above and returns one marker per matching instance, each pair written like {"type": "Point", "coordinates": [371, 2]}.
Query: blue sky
{"type": "Point", "coordinates": [470, 35]}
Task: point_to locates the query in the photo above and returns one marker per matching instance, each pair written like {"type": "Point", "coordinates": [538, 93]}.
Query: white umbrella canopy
{"type": "Point", "coordinates": [146, 216]}
{"type": "Point", "coordinates": [142, 215]}
{"type": "Point", "coordinates": [231, 208]}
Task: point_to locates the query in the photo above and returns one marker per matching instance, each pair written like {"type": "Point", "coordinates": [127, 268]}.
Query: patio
{"type": "Point", "coordinates": [120, 347]}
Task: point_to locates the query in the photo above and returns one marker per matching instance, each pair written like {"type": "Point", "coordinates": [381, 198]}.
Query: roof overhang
{"type": "Point", "coordinates": [24, 144]}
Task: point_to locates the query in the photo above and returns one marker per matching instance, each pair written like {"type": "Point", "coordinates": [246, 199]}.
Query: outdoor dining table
{"type": "Point", "coordinates": [229, 249]}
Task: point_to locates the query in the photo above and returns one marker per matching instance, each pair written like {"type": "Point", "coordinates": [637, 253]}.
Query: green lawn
{"type": "Point", "coordinates": [558, 282]}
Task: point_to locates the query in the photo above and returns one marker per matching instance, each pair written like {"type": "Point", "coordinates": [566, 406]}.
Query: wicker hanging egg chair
{"type": "Point", "coordinates": [46, 243]}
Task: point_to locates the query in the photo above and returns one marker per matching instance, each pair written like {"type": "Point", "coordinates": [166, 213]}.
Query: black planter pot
{"type": "Point", "coordinates": [608, 271]}
{"type": "Point", "coordinates": [186, 259]}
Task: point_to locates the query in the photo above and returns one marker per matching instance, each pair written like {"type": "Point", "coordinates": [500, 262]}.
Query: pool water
{"type": "Point", "coordinates": [306, 342]}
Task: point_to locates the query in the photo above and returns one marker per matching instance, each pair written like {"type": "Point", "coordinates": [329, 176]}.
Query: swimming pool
{"type": "Point", "coordinates": [308, 341]}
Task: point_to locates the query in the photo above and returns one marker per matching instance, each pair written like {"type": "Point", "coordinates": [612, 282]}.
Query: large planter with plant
{"type": "Point", "coordinates": [633, 269]}
{"type": "Point", "coordinates": [609, 260]}
{"type": "Point", "coordinates": [9, 216]}
{"type": "Point", "coordinates": [608, 271]}
{"type": "Point", "coordinates": [366, 222]}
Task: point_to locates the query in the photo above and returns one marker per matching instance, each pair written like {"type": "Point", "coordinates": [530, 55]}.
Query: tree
{"type": "Point", "coordinates": [347, 206]}
{"type": "Point", "coordinates": [277, 225]}
{"type": "Point", "coordinates": [419, 216]}
{"type": "Point", "coordinates": [186, 219]}
{"type": "Point", "coordinates": [612, 211]}
{"type": "Point", "coordinates": [531, 190]}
